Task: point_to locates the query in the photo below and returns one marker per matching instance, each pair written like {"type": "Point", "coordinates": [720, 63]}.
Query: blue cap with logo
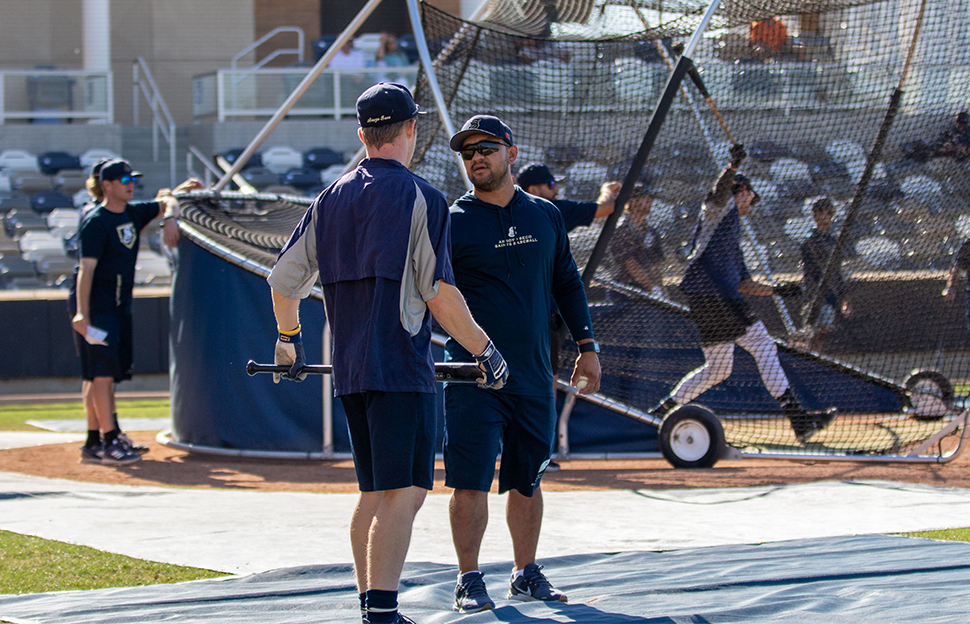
{"type": "Point", "coordinates": [117, 169]}
{"type": "Point", "coordinates": [482, 124]}
{"type": "Point", "coordinates": [385, 103]}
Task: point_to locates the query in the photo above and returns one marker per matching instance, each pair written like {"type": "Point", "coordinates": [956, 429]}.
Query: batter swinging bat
{"type": "Point", "coordinates": [453, 372]}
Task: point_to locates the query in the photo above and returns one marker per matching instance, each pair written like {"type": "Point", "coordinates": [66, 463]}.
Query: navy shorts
{"type": "Point", "coordinates": [392, 437]}
{"type": "Point", "coordinates": [480, 423]}
{"type": "Point", "coordinates": [113, 359]}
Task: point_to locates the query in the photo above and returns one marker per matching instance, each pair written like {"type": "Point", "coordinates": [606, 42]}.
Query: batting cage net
{"type": "Point", "coordinates": [814, 91]}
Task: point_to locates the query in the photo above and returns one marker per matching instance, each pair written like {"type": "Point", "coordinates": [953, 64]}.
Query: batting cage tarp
{"type": "Point", "coordinates": [222, 317]}
{"type": "Point", "coordinates": [869, 578]}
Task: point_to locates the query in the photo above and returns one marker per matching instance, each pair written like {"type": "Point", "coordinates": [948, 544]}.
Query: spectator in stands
{"type": "Point", "coordinates": [100, 301]}
{"type": "Point", "coordinates": [768, 37]}
{"type": "Point", "coordinates": [816, 251]}
{"type": "Point", "coordinates": [954, 141]}
{"type": "Point", "coordinates": [390, 55]}
{"type": "Point", "coordinates": [348, 57]}
{"type": "Point", "coordinates": [636, 248]}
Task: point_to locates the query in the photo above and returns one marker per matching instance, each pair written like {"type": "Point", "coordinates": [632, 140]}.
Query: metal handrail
{"type": "Point", "coordinates": [298, 50]}
{"type": "Point", "coordinates": [162, 121]}
{"type": "Point", "coordinates": [191, 155]}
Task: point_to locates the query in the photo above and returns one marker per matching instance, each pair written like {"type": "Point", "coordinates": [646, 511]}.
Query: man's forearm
{"type": "Point", "coordinates": [287, 311]}
{"type": "Point", "coordinates": [450, 310]}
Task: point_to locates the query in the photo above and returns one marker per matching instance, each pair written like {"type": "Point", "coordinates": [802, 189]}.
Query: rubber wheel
{"type": "Point", "coordinates": [933, 383]}
{"type": "Point", "coordinates": [692, 437]}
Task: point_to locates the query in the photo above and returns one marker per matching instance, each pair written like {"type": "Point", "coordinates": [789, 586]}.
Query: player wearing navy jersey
{"type": "Point", "coordinates": [536, 179]}
{"type": "Point", "coordinates": [511, 258]}
{"type": "Point", "coordinates": [715, 280]}
{"type": "Point", "coordinates": [379, 240]}
{"type": "Point", "coordinates": [108, 242]}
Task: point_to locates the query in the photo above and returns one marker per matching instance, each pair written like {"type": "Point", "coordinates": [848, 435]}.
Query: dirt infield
{"type": "Point", "coordinates": [163, 466]}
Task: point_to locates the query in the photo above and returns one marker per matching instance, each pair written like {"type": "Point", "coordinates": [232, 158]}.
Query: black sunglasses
{"type": "Point", "coordinates": [485, 148]}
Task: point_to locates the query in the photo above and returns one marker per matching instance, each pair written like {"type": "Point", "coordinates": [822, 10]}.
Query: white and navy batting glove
{"type": "Point", "coordinates": [289, 351]}
{"type": "Point", "coordinates": [496, 370]}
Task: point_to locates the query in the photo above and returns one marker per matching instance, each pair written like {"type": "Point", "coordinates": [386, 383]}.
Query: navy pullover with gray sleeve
{"type": "Point", "coordinates": [507, 262]}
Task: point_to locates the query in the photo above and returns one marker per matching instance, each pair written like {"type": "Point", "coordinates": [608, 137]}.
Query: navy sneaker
{"type": "Point", "coordinates": [471, 595]}
{"type": "Point", "coordinates": [533, 585]}
{"type": "Point", "coordinates": [141, 449]}
{"type": "Point", "coordinates": [118, 454]}
{"type": "Point", "coordinates": [92, 454]}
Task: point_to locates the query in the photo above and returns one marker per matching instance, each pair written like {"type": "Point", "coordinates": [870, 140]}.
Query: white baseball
{"type": "Point", "coordinates": [581, 383]}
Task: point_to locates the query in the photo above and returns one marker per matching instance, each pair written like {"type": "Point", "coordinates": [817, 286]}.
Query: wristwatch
{"type": "Point", "coordinates": [586, 347]}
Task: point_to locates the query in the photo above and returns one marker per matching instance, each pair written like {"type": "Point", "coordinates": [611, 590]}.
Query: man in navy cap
{"type": "Point", "coordinates": [536, 179]}
{"type": "Point", "coordinates": [511, 259]}
{"type": "Point", "coordinates": [100, 300]}
{"type": "Point", "coordinates": [379, 240]}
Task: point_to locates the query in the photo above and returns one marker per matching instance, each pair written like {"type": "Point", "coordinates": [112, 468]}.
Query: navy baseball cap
{"type": "Point", "coordinates": [385, 103]}
{"type": "Point", "coordinates": [534, 174]}
{"type": "Point", "coordinates": [482, 124]}
{"type": "Point", "coordinates": [117, 169]}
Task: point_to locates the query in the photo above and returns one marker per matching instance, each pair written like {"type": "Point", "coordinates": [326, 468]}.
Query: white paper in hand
{"type": "Point", "coordinates": [95, 336]}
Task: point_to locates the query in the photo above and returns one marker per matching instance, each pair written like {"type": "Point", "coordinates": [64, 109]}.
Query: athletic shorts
{"type": "Point", "coordinates": [479, 424]}
{"type": "Point", "coordinates": [112, 359]}
{"type": "Point", "coordinates": [719, 320]}
{"type": "Point", "coordinates": [392, 438]}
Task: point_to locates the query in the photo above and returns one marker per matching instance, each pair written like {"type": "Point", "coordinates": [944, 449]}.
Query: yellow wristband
{"type": "Point", "coordinates": [292, 332]}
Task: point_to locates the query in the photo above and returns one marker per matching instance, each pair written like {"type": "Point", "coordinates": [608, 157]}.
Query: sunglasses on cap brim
{"type": "Point", "coordinates": [485, 148]}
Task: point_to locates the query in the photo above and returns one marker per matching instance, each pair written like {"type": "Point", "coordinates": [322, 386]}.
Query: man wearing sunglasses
{"type": "Point", "coordinates": [511, 258]}
{"type": "Point", "coordinates": [108, 242]}
{"type": "Point", "coordinates": [715, 282]}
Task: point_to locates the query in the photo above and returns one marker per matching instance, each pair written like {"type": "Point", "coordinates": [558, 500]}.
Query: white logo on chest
{"type": "Point", "coordinates": [512, 232]}
{"type": "Point", "coordinates": [126, 234]}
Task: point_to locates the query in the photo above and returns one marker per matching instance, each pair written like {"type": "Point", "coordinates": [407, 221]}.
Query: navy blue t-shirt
{"type": "Point", "coordinates": [112, 238]}
{"type": "Point", "coordinates": [507, 262]}
{"type": "Point", "coordinates": [720, 269]}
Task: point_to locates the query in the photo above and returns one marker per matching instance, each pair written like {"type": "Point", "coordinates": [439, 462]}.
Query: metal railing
{"type": "Point", "coordinates": [228, 93]}
{"type": "Point", "coordinates": [55, 95]}
{"type": "Point", "coordinates": [193, 154]}
{"type": "Point", "coordinates": [163, 124]}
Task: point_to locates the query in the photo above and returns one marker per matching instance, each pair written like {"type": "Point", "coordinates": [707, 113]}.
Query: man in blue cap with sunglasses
{"type": "Point", "coordinates": [511, 257]}
{"type": "Point", "coordinates": [108, 242]}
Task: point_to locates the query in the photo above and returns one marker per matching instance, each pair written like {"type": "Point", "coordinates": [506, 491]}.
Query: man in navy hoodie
{"type": "Point", "coordinates": [511, 258]}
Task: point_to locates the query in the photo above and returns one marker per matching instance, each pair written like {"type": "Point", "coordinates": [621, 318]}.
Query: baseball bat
{"type": "Point", "coordinates": [695, 77]}
{"type": "Point", "coordinates": [453, 372]}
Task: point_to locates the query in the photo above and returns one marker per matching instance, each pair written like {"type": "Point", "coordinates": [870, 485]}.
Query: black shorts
{"type": "Point", "coordinates": [113, 359]}
{"type": "Point", "coordinates": [392, 438]}
{"type": "Point", "coordinates": [719, 320]}
{"type": "Point", "coordinates": [480, 423]}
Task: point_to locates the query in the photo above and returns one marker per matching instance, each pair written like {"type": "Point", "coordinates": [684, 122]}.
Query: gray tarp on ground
{"type": "Point", "coordinates": [874, 578]}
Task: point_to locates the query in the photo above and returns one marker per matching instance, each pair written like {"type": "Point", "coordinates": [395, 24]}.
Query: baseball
{"type": "Point", "coordinates": [582, 383]}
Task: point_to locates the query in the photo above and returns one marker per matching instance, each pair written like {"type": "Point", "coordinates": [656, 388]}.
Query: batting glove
{"type": "Point", "coordinates": [738, 154]}
{"type": "Point", "coordinates": [496, 370]}
{"type": "Point", "coordinates": [289, 351]}
{"type": "Point", "coordinates": [787, 289]}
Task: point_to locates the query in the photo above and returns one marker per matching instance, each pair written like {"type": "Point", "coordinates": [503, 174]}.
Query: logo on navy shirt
{"type": "Point", "coordinates": [512, 232]}
{"type": "Point", "coordinates": [126, 234]}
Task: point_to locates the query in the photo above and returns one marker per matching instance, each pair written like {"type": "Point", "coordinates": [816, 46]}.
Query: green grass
{"type": "Point", "coordinates": [15, 417]}
{"type": "Point", "coordinates": [31, 564]}
{"type": "Point", "coordinates": [953, 535]}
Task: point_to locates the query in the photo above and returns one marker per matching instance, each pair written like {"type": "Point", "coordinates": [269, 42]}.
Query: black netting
{"type": "Point", "coordinates": [807, 94]}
